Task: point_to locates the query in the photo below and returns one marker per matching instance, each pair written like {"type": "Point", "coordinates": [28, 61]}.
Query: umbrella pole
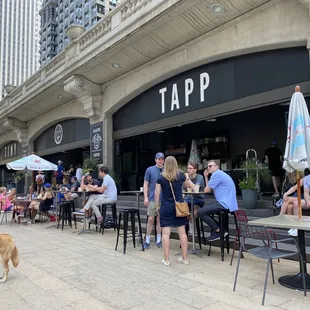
{"type": "Point", "coordinates": [299, 195]}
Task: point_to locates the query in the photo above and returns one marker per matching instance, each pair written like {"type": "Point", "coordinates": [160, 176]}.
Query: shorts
{"type": "Point", "coordinates": [9, 208]}
{"type": "Point", "coordinates": [151, 209]}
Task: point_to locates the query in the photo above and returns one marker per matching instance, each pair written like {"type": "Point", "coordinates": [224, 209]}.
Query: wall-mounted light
{"type": "Point", "coordinates": [211, 120]}
{"type": "Point", "coordinates": [160, 131]}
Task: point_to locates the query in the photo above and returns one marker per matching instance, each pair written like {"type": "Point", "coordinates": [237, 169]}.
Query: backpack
{"type": "Point", "coordinates": [108, 223]}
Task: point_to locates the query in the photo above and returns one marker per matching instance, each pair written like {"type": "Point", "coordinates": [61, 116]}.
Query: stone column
{"type": "Point", "coordinates": [21, 131]}
{"type": "Point", "coordinates": [108, 145]}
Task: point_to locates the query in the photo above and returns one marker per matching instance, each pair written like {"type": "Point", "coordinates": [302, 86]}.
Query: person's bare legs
{"type": "Point", "coordinates": [290, 209]}
{"type": "Point", "coordinates": [183, 241]}
{"type": "Point", "coordinates": [284, 207]}
{"type": "Point", "coordinates": [149, 227]}
{"type": "Point", "coordinates": [275, 182]}
{"type": "Point", "coordinates": [158, 228]}
{"type": "Point", "coordinates": [166, 231]}
{"type": "Point", "coordinates": [295, 208]}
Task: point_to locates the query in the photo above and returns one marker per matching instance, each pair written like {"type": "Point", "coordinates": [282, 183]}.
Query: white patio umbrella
{"type": "Point", "coordinates": [194, 154]}
{"type": "Point", "coordinates": [31, 162]}
{"type": "Point", "coordinates": [297, 150]}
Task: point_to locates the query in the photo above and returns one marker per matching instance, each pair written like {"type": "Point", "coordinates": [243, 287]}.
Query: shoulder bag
{"type": "Point", "coordinates": [181, 208]}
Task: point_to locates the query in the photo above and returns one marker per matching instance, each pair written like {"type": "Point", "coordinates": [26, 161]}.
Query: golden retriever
{"type": "Point", "coordinates": [8, 251]}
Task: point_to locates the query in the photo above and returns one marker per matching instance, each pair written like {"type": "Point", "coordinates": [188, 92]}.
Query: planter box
{"type": "Point", "coordinates": [249, 198]}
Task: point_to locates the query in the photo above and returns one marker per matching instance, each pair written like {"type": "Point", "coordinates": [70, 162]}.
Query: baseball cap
{"type": "Point", "coordinates": [274, 142]}
{"type": "Point", "coordinates": [47, 185]}
{"type": "Point", "coordinates": [159, 155]}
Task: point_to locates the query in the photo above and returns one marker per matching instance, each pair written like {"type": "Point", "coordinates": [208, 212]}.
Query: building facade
{"type": "Point", "coordinates": [58, 15]}
{"type": "Point", "coordinates": [154, 75]}
{"type": "Point", "coordinates": [19, 41]}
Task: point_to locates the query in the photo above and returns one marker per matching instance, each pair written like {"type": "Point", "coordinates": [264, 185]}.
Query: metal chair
{"type": "Point", "coordinates": [266, 251]}
{"type": "Point", "coordinates": [240, 216]}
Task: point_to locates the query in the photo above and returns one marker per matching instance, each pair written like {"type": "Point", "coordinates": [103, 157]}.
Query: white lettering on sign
{"type": "Point", "coordinates": [162, 92]}
{"type": "Point", "coordinates": [96, 130]}
{"type": "Point", "coordinates": [175, 97]}
{"type": "Point", "coordinates": [204, 81]}
{"type": "Point", "coordinates": [189, 87]}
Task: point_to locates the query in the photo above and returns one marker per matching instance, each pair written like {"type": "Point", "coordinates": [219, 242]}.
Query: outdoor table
{"type": "Point", "coordinates": [193, 251]}
{"type": "Point", "coordinates": [85, 228]}
{"type": "Point", "coordinates": [291, 221]}
{"type": "Point", "coordinates": [192, 194]}
{"type": "Point", "coordinates": [137, 193]}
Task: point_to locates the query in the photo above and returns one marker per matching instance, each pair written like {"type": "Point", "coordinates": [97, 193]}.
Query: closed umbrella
{"type": "Point", "coordinates": [297, 150]}
{"type": "Point", "coordinates": [31, 162]}
{"type": "Point", "coordinates": [194, 154]}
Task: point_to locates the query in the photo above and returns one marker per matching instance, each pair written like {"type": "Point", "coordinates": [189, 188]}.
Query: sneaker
{"type": "Point", "coordinates": [293, 232]}
{"type": "Point", "coordinates": [165, 263]}
{"type": "Point", "coordinates": [275, 195]}
{"type": "Point", "coordinates": [183, 261]}
{"type": "Point", "coordinates": [146, 245]}
{"type": "Point", "coordinates": [214, 236]}
{"type": "Point", "coordinates": [159, 244]}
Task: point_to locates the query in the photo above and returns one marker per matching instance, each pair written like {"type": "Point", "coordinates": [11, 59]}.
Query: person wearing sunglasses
{"type": "Point", "coordinates": [224, 191]}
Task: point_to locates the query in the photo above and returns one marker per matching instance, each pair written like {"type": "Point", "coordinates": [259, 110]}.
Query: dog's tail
{"type": "Point", "coordinates": [15, 257]}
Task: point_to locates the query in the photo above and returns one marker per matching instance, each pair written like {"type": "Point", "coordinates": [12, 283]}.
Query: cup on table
{"type": "Point", "coordinates": [189, 190]}
{"type": "Point", "coordinates": [196, 188]}
{"type": "Point", "coordinates": [141, 189]}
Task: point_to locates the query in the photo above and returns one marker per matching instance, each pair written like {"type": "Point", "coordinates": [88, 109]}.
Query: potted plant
{"type": "Point", "coordinates": [89, 166]}
{"type": "Point", "coordinates": [250, 184]}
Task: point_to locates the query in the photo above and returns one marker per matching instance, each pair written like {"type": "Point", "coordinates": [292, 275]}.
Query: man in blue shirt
{"type": "Point", "coordinates": [225, 193]}
{"type": "Point", "coordinates": [151, 176]}
{"type": "Point", "coordinates": [60, 170]}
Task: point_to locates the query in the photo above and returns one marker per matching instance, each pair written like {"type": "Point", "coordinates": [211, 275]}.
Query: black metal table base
{"type": "Point", "coordinates": [295, 281]}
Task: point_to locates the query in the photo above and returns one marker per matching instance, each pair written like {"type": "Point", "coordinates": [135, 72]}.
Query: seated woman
{"type": "Point", "coordinates": [39, 190]}
{"type": "Point", "coordinates": [289, 193]}
{"type": "Point", "coordinates": [48, 198]}
{"type": "Point", "coordinates": [16, 208]}
{"type": "Point", "coordinates": [6, 205]}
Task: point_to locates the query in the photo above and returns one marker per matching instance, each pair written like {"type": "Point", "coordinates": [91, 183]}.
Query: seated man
{"type": "Point", "coordinates": [225, 193]}
{"type": "Point", "coordinates": [107, 194]}
{"type": "Point", "coordinates": [75, 184]}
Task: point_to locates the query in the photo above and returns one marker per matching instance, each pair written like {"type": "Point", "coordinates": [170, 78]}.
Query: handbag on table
{"type": "Point", "coordinates": [181, 208]}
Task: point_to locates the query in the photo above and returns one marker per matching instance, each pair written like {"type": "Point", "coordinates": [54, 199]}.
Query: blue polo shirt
{"type": "Point", "coordinates": [224, 190]}
{"type": "Point", "coordinates": [151, 176]}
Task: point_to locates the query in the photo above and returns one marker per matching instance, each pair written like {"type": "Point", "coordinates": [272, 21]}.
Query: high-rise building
{"type": "Point", "coordinates": [19, 41]}
{"type": "Point", "coordinates": [58, 15]}
{"type": "Point", "coordinates": [48, 30]}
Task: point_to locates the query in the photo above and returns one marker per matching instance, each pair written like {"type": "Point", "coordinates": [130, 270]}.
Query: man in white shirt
{"type": "Point", "coordinates": [107, 193]}
{"type": "Point", "coordinates": [79, 173]}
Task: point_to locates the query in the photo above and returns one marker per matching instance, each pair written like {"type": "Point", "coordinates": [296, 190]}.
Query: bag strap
{"type": "Point", "coordinates": [172, 191]}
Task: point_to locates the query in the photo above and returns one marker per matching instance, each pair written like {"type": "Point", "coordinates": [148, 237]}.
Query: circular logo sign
{"type": "Point", "coordinates": [58, 134]}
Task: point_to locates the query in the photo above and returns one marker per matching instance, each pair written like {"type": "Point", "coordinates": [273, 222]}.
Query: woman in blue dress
{"type": "Point", "coordinates": [167, 211]}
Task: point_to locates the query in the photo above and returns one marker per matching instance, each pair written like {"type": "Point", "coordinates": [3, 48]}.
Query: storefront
{"type": "Point", "coordinates": [9, 152]}
{"type": "Point", "coordinates": [227, 107]}
{"type": "Point", "coordinates": [68, 141]}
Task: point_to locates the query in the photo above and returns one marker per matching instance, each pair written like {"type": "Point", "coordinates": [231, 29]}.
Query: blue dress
{"type": "Point", "coordinates": [167, 207]}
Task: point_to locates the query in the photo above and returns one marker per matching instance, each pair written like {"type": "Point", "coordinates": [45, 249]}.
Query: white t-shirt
{"type": "Point", "coordinates": [79, 174]}
{"type": "Point", "coordinates": [111, 191]}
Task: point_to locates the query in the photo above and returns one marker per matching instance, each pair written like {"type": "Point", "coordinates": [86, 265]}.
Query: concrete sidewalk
{"type": "Point", "coordinates": [60, 270]}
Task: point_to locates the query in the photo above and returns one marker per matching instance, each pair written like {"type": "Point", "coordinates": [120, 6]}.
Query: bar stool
{"type": "Point", "coordinates": [103, 210]}
{"type": "Point", "coordinates": [223, 216]}
{"type": "Point", "coordinates": [126, 213]}
{"type": "Point", "coordinates": [65, 210]}
{"type": "Point", "coordinates": [200, 231]}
